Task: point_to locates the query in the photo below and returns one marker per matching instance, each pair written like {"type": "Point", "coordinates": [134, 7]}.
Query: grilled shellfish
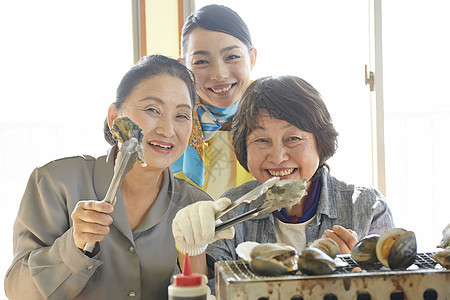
{"type": "Point", "coordinates": [318, 257]}
{"type": "Point", "coordinates": [273, 259]}
{"type": "Point", "coordinates": [445, 243]}
{"type": "Point", "coordinates": [443, 257]}
{"type": "Point", "coordinates": [397, 248]}
{"type": "Point", "coordinates": [365, 250]}
{"type": "Point", "coordinates": [327, 245]}
{"type": "Point", "coordinates": [313, 261]}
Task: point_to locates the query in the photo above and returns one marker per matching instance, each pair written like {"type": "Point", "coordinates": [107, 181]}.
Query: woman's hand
{"type": "Point", "coordinates": [91, 221]}
{"type": "Point", "coordinates": [345, 238]}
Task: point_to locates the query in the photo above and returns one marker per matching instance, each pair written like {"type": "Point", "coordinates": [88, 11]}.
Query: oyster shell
{"type": "Point", "coordinates": [286, 193]}
{"type": "Point", "coordinates": [273, 259]}
{"type": "Point", "coordinates": [397, 248]}
{"type": "Point", "coordinates": [313, 261]}
{"type": "Point", "coordinates": [443, 258]}
{"type": "Point", "coordinates": [445, 243]}
{"type": "Point", "coordinates": [365, 250]}
{"type": "Point", "coordinates": [123, 129]}
{"type": "Point", "coordinates": [244, 250]}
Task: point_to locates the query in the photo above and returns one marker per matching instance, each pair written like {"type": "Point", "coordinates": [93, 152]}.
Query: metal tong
{"type": "Point", "coordinates": [247, 198]}
{"type": "Point", "coordinates": [125, 160]}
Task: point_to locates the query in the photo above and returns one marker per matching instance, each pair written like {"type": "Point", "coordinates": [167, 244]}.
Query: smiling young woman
{"type": "Point", "coordinates": [216, 45]}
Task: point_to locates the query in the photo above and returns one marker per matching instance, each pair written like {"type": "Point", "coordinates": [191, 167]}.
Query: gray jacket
{"type": "Point", "coordinates": [48, 265]}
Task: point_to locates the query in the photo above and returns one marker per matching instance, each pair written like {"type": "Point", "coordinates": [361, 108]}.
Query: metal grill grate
{"type": "Point", "coordinates": [240, 270]}
{"type": "Point", "coordinates": [425, 277]}
{"type": "Point", "coordinates": [423, 261]}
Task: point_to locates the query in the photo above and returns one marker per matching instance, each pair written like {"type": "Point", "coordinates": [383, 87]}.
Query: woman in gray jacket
{"type": "Point", "coordinates": [135, 253]}
{"type": "Point", "coordinates": [283, 128]}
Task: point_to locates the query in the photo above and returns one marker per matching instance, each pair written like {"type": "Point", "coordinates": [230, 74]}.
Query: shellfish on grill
{"type": "Point", "coordinates": [272, 259]}
{"type": "Point", "coordinates": [443, 257]}
{"type": "Point", "coordinates": [397, 248]}
{"type": "Point", "coordinates": [318, 257]}
{"type": "Point", "coordinates": [327, 245]}
{"type": "Point", "coordinates": [445, 243]}
{"type": "Point", "coordinates": [365, 250]}
{"type": "Point", "coordinates": [313, 261]}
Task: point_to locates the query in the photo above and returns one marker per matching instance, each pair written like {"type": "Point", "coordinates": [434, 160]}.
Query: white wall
{"type": "Point", "coordinates": [61, 62]}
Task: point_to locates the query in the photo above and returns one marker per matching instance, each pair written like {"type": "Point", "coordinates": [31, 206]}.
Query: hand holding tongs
{"type": "Point", "coordinates": [125, 161]}
{"type": "Point", "coordinates": [247, 198]}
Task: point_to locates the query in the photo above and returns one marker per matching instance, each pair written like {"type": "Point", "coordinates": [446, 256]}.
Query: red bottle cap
{"type": "Point", "coordinates": [187, 278]}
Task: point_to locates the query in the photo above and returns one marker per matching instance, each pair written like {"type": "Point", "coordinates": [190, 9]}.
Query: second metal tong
{"type": "Point", "coordinates": [247, 198]}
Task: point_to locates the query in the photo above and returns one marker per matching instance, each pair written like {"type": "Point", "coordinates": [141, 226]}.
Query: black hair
{"type": "Point", "coordinates": [149, 66]}
{"type": "Point", "coordinates": [287, 98]}
{"type": "Point", "coordinates": [216, 18]}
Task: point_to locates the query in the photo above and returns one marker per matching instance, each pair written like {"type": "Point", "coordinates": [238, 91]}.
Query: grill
{"type": "Point", "coordinates": [424, 279]}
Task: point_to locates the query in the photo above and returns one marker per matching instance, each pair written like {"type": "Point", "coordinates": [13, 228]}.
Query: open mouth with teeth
{"type": "Point", "coordinates": [222, 90]}
{"type": "Point", "coordinates": [153, 144]}
{"type": "Point", "coordinates": [281, 173]}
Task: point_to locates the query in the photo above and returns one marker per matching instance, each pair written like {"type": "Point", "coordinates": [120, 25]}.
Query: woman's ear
{"type": "Point", "coordinates": [113, 113]}
{"type": "Point", "coordinates": [253, 55]}
{"type": "Point", "coordinates": [181, 61]}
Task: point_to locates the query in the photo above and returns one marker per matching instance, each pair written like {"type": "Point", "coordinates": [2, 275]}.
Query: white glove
{"type": "Point", "coordinates": [194, 226]}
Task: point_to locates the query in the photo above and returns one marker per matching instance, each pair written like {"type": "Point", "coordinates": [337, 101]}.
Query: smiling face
{"type": "Point", "coordinates": [161, 106]}
{"type": "Point", "coordinates": [222, 65]}
{"type": "Point", "coordinates": [278, 148]}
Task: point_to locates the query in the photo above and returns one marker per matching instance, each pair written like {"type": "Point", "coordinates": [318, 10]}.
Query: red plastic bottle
{"type": "Point", "coordinates": [188, 285]}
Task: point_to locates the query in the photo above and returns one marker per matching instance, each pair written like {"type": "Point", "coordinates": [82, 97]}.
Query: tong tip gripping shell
{"type": "Point", "coordinates": [123, 130]}
{"type": "Point", "coordinates": [250, 196]}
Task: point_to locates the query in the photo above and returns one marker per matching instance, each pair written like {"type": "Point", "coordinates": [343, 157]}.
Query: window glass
{"type": "Point", "coordinates": [417, 115]}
